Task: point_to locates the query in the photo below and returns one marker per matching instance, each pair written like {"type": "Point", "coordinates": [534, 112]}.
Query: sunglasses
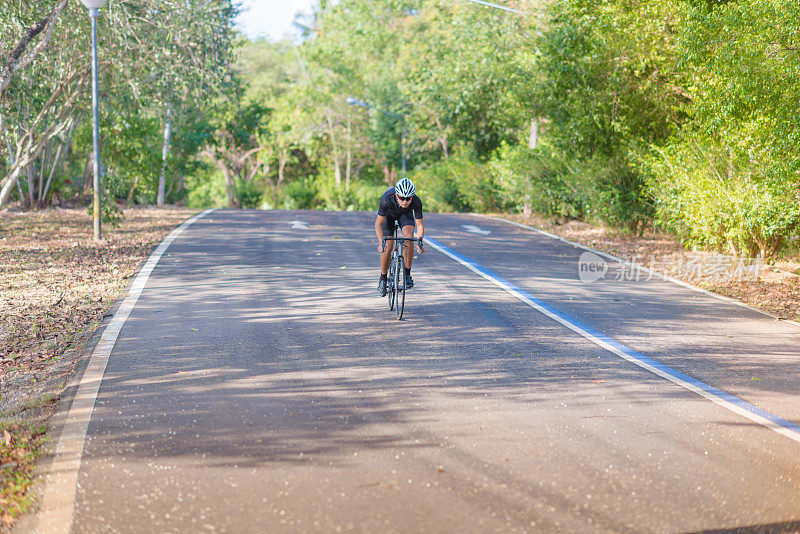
{"type": "Point", "coordinates": [402, 199]}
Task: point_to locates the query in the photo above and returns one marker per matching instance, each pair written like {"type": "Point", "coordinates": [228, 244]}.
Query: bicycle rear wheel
{"type": "Point", "coordinates": [400, 284]}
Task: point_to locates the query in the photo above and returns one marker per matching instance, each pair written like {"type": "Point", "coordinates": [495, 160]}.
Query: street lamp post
{"type": "Point", "coordinates": [356, 102]}
{"type": "Point", "coordinates": [94, 11]}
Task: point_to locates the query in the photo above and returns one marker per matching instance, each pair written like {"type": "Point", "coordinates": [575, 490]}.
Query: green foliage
{"type": "Point", "coordinates": [300, 194]}
{"type": "Point", "coordinates": [131, 154]}
{"type": "Point", "coordinates": [534, 180]}
{"type": "Point", "coordinates": [358, 197]}
{"type": "Point", "coordinates": [709, 193]}
{"type": "Point", "coordinates": [458, 183]}
{"type": "Point", "coordinates": [167, 55]}
{"type": "Point", "coordinates": [681, 113]}
{"type": "Point", "coordinates": [206, 189]}
{"type": "Point", "coordinates": [462, 78]}
{"type": "Point", "coordinates": [611, 87]}
{"type": "Point", "coordinates": [322, 193]}
{"type": "Point", "coordinates": [250, 193]}
{"type": "Point", "coordinates": [730, 180]}
{"type": "Point", "coordinates": [270, 69]}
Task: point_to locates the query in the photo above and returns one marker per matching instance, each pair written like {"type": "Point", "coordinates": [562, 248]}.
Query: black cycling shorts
{"type": "Point", "coordinates": [405, 219]}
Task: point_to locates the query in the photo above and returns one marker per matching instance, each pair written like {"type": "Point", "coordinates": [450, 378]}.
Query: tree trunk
{"type": "Point", "coordinates": [230, 185]}
{"type": "Point", "coordinates": [533, 138]}
{"type": "Point", "coordinates": [227, 174]}
{"type": "Point", "coordinates": [21, 193]}
{"type": "Point", "coordinates": [61, 155]}
{"type": "Point", "coordinates": [6, 143]}
{"type": "Point", "coordinates": [349, 152]}
{"type": "Point", "coordinates": [87, 183]}
{"type": "Point", "coordinates": [42, 159]}
{"type": "Point", "coordinates": [5, 191]}
{"type": "Point", "coordinates": [162, 179]}
{"type": "Point", "coordinates": [389, 174]}
{"type": "Point", "coordinates": [283, 157]}
{"type": "Point", "coordinates": [442, 137]}
{"type": "Point", "coordinates": [337, 171]}
{"type": "Point", "coordinates": [46, 190]}
{"type": "Point", "coordinates": [33, 142]}
{"type": "Point", "coordinates": [133, 187]}
{"type": "Point", "coordinates": [11, 179]}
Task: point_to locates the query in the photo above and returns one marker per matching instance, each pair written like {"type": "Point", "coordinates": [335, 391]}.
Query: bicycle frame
{"type": "Point", "coordinates": [396, 277]}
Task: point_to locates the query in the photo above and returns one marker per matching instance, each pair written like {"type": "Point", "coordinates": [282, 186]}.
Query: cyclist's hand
{"type": "Point", "coordinates": [381, 248]}
{"type": "Point", "coordinates": [420, 247]}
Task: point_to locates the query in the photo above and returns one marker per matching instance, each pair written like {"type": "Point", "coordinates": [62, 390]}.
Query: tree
{"type": "Point", "coordinates": [44, 101]}
{"type": "Point", "coordinates": [730, 180]}
{"type": "Point", "coordinates": [41, 97]}
{"type": "Point", "coordinates": [23, 53]}
{"type": "Point", "coordinates": [611, 87]}
{"type": "Point", "coordinates": [234, 145]}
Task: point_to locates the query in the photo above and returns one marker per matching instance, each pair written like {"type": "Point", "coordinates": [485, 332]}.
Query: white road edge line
{"type": "Point", "coordinates": [58, 501]}
{"type": "Point", "coordinates": [719, 397]}
{"type": "Point", "coordinates": [646, 270]}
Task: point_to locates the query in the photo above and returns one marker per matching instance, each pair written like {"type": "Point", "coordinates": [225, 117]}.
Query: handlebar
{"type": "Point", "coordinates": [401, 240]}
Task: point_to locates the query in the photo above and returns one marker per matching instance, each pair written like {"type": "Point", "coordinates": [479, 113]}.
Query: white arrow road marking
{"type": "Point", "coordinates": [475, 229]}
{"type": "Point", "coordinates": [299, 225]}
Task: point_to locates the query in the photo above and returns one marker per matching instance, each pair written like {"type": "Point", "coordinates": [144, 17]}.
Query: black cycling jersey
{"type": "Point", "coordinates": [389, 207]}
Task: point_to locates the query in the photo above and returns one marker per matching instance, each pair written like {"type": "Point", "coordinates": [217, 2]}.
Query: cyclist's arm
{"type": "Point", "coordinates": [420, 233]}
{"type": "Point", "coordinates": [379, 228]}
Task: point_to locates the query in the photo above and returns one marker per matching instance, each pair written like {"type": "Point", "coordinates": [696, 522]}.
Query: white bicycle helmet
{"type": "Point", "coordinates": [404, 188]}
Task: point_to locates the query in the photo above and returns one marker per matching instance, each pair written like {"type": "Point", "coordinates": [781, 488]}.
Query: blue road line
{"type": "Point", "coordinates": [726, 400]}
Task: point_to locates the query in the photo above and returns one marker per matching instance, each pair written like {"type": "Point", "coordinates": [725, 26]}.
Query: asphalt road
{"type": "Point", "coordinates": [261, 385]}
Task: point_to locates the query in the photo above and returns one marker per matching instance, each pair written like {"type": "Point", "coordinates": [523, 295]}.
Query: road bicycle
{"type": "Point", "coordinates": [396, 277]}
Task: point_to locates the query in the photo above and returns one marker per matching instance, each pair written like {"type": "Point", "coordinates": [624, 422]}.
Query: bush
{"type": "Point", "coordinates": [206, 190]}
{"type": "Point", "coordinates": [714, 196]}
{"type": "Point", "coordinates": [321, 192]}
{"type": "Point", "coordinates": [457, 183]}
{"type": "Point", "coordinates": [534, 180]}
{"type": "Point", "coordinates": [299, 194]}
{"type": "Point", "coordinates": [250, 193]}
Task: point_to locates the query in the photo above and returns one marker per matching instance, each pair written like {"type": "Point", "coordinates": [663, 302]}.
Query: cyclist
{"type": "Point", "coordinates": [402, 205]}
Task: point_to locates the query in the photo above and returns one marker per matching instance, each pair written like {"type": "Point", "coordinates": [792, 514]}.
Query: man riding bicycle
{"type": "Point", "coordinates": [402, 205]}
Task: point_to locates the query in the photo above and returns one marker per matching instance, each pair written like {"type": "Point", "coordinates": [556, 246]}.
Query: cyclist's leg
{"type": "Point", "coordinates": [388, 231]}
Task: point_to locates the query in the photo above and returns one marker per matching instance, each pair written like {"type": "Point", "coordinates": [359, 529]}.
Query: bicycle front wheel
{"type": "Point", "coordinates": [390, 285]}
{"type": "Point", "coordinates": [400, 284]}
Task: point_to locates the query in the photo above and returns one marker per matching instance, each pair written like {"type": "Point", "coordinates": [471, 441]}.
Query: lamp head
{"type": "Point", "coordinates": [355, 102]}
{"type": "Point", "coordinates": [94, 4]}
